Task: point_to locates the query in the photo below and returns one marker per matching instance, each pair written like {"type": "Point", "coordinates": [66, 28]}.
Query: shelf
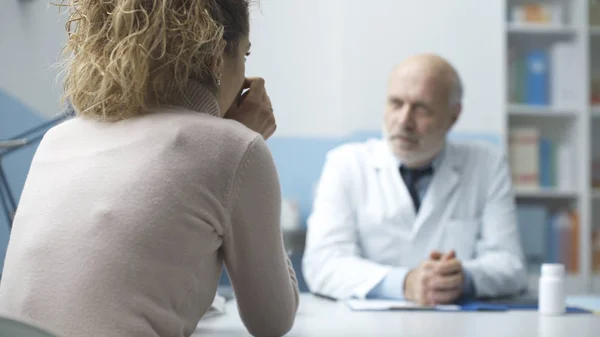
{"type": "Point", "coordinates": [574, 283]}
{"type": "Point", "coordinates": [596, 111]}
{"type": "Point", "coordinates": [544, 193]}
{"type": "Point", "coordinates": [541, 111]}
{"type": "Point", "coordinates": [547, 29]}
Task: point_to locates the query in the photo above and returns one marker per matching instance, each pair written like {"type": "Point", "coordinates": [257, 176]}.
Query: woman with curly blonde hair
{"type": "Point", "coordinates": [131, 208]}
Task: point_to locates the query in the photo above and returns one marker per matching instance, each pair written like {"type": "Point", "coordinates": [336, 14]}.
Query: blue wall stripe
{"type": "Point", "coordinates": [15, 117]}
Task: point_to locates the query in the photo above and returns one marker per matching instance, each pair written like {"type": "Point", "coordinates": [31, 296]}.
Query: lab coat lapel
{"type": "Point", "coordinates": [437, 199]}
{"type": "Point", "coordinates": [398, 202]}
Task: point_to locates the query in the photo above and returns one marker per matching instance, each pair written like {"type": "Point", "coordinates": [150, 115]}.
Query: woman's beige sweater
{"type": "Point", "coordinates": [123, 228]}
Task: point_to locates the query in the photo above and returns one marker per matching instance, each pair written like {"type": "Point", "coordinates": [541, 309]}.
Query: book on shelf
{"type": "Point", "coordinates": [547, 166]}
{"type": "Point", "coordinates": [595, 90]}
{"type": "Point", "coordinates": [594, 12]}
{"type": "Point", "coordinates": [537, 13]}
{"type": "Point", "coordinates": [595, 159]}
{"type": "Point", "coordinates": [563, 92]}
{"type": "Point", "coordinates": [542, 76]}
{"type": "Point", "coordinates": [516, 77]}
{"type": "Point", "coordinates": [529, 77]}
{"type": "Point", "coordinates": [536, 77]}
{"type": "Point", "coordinates": [533, 159]}
{"type": "Point", "coordinates": [524, 157]}
{"type": "Point", "coordinates": [596, 250]}
{"type": "Point", "coordinates": [595, 241]}
{"type": "Point", "coordinates": [549, 237]}
{"type": "Point", "coordinates": [596, 172]}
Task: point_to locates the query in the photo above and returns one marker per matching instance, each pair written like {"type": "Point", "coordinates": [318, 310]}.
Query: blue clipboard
{"type": "Point", "coordinates": [483, 306]}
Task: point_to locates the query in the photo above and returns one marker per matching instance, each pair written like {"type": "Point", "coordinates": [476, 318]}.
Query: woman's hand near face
{"type": "Point", "coordinates": [253, 108]}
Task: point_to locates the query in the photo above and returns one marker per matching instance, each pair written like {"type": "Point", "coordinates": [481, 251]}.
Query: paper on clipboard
{"type": "Point", "coordinates": [384, 305]}
{"type": "Point", "coordinates": [217, 308]}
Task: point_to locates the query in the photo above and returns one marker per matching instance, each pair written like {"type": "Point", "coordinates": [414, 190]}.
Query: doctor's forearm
{"type": "Point", "coordinates": [342, 277]}
{"type": "Point", "coordinates": [496, 275]}
{"type": "Point", "coordinates": [392, 286]}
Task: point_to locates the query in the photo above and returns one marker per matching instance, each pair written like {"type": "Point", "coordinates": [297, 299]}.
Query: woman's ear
{"type": "Point", "coordinates": [218, 62]}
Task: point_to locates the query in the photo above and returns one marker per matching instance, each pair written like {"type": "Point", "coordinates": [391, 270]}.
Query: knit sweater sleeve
{"type": "Point", "coordinates": [260, 271]}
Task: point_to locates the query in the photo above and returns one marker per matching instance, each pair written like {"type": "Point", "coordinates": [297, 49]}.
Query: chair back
{"type": "Point", "coordinates": [20, 328]}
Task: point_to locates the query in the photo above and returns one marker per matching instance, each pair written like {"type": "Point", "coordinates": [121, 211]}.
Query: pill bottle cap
{"type": "Point", "coordinates": [553, 270]}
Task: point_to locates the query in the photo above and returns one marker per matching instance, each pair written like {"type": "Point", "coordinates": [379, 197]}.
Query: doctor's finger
{"type": "Point", "coordinates": [446, 296]}
{"type": "Point", "coordinates": [430, 265]}
{"type": "Point", "coordinates": [449, 256]}
{"type": "Point", "coordinates": [447, 282]}
{"type": "Point", "coordinates": [448, 267]}
{"type": "Point", "coordinates": [435, 255]}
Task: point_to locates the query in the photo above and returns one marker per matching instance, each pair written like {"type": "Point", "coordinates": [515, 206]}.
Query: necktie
{"type": "Point", "coordinates": [411, 178]}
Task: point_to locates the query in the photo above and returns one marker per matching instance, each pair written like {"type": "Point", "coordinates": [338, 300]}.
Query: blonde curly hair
{"type": "Point", "coordinates": [126, 56]}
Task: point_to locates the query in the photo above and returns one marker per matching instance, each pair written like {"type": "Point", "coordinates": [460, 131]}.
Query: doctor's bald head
{"type": "Point", "coordinates": [424, 100]}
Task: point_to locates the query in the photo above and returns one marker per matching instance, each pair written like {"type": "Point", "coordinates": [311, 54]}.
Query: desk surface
{"type": "Point", "coordinates": [320, 317]}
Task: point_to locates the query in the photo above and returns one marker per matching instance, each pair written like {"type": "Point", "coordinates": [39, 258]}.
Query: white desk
{"type": "Point", "coordinates": [323, 318]}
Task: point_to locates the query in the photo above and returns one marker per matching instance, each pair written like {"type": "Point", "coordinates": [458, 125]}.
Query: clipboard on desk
{"type": "Point", "coordinates": [467, 306]}
{"type": "Point", "coordinates": [482, 306]}
{"type": "Point", "coordinates": [524, 301]}
{"type": "Point", "coordinates": [390, 305]}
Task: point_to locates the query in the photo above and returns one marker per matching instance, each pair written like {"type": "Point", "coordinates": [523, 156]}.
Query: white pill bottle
{"type": "Point", "coordinates": [552, 290]}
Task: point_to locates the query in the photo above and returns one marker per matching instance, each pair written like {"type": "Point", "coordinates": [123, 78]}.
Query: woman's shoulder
{"type": "Point", "coordinates": [214, 137]}
{"type": "Point", "coordinates": [225, 133]}
{"type": "Point", "coordinates": [192, 135]}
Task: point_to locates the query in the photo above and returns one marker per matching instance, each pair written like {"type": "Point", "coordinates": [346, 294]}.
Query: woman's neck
{"type": "Point", "coordinates": [197, 97]}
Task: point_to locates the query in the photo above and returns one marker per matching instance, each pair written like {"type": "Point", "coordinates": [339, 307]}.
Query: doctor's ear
{"type": "Point", "coordinates": [455, 111]}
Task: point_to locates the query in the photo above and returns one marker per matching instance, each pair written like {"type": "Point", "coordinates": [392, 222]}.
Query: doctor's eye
{"type": "Point", "coordinates": [422, 109]}
{"type": "Point", "coordinates": [396, 103]}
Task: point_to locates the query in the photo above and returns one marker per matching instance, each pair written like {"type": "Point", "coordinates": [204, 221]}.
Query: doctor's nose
{"type": "Point", "coordinates": [406, 118]}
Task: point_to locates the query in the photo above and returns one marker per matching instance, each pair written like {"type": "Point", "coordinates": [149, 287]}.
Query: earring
{"type": "Point", "coordinates": [219, 79]}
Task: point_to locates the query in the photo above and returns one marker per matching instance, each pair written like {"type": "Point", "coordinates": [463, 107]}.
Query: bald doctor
{"type": "Point", "coordinates": [414, 216]}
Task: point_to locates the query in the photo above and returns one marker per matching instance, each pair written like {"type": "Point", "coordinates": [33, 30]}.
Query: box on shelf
{"type": "Point", "coordinates": [596, 172]}
{"type": "Point", "coordinates": [543, 76]}
{"type": "Point", "coordinates": [529, 77]}
{"type": "Point", "coordinates": [564, 240]}
{"type": "Point", "coordinates": [549, 237]}
{"type": "Point", "coordinates": [538, 13]}
{"type": "Point", "coordinates": [533, 225]}
{"type": "Point", "coordinates": [595, 91]}
{"type": "Point", "coordinates": [594, 12]}
{"type": "Point", "coordinates": [564, 93]}
{"type": "Point", "coordinates": [516, 76]}
{"type": "Point", "coordinates": [524, 156]}
{"type": "Point", "coordinates": [533, 159]}
{"type": "Point", "coordinates": [596, 250]}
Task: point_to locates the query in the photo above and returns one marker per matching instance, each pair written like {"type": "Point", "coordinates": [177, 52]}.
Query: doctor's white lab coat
{"type": "Point", "coordinates": [363, 222]}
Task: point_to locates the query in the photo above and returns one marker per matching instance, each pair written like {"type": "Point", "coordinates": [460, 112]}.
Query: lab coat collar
{"type": "Point", "coordinates": [447, 167]}
{"type": "Point", "coordinates": [435, 163]}
{"type": "Point", "coordinates": [383, 156]}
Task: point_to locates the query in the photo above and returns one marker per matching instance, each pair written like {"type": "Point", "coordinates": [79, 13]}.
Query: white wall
{"type": "Point", "coordinates": [31, 35]}
{"type": "Point", "coordinates": [327, 61]}
{"type": "Point", "coordinates": [469, 33]}
{"type": "Point", "coordinates": [297, 47]}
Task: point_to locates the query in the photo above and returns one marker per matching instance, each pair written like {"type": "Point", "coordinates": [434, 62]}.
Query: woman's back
{"type": "Point", "coordinates": [122, 228]}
